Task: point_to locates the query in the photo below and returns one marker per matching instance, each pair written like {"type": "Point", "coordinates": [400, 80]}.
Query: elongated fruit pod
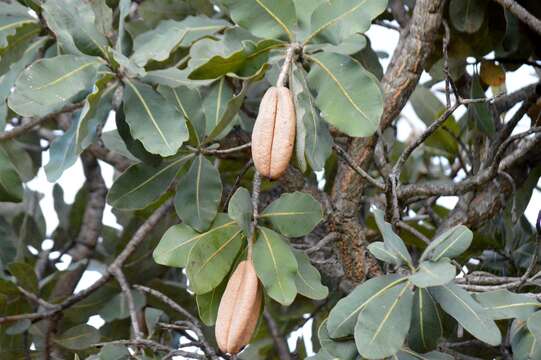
{"type": "Point", "coordinates": [239, 309]}
{"type": "Point", "coordinates": [274, 132]}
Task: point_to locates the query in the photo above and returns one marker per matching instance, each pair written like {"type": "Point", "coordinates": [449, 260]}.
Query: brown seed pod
{"type": "Point", "coordinates": [274, 132]}
{"type": "Point", "coordinates": [239, 309]}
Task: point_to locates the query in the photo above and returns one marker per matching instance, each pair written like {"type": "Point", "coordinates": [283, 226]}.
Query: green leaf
{"type": "Point", "coordinates": [459, 304]}
{"type": "Point", "coordinates": [153, 120]}
{"type": "Point", "coordinates": [350, 46]}
{"type": "Point", "coordinates": [393, 243]}
{"type": "Point", "coordinates": [103, 16]}
{"type": "Point", "coordinates": [152, 318]}
{"type": "Point", "coordinates": [173, 77]}
{"type": "Point", "coordinates": [117, 308]}
{"type": "Point", "coordinates": [177, 242]}
{"type": "Point", "coordinates": [264, 18]}
{"type": "Point", "coordinates": [426, 323]}
{"type": "Point", "coordinates": [73, 23]}
{"type": "Point", "coordinates": [25, 275]}
{"type": "Point", "coordinates": [348, 96]}
{"type": "Point", "coordinates": [313, 138]}
{"type": "Point", "coordinates": [433, 274]}
{"type": "Point", "coordinates": [207, 304]}
{"type": "Point", "coordinates": [336, 21]}
{"type": "Point", "coordinates": [114, 352]}
{"type": "Point", "coordinates": [275, 265]}
{"type": "Point", "coordinates": [154, 11]}
{"type": "Point", "coordinates": [7, 81]}
{"type": "Point", "coordinates": [62, 153]}
{"type": "Point", "coordinates": [308, 279]}
{"type": "Point", "coordinates": [240, 209]}
{"type": "Point", "coordinates": [343, 316]}
{"type": "Point", "coordinates": [78, 337]}
{"type": "Point", "coordinates": [231, 55]}
{"type": "Point", "coordinates": [199, 192]}
{"type": "Point", "coordinates": [11, 187]}
{"type": "Point", "coordinates": [429, 108]}
{"type": "Point", "coordinates": [294, 214]}
{"type": "Point", "coordinates": [12, 17]}
{"type": "Point", "coordinates": [382, 326]}
{"type": "Point", "coordinates": [343, 350]}
{"type": "Point", "coordinates": [480, 111]}
{"type": "Point", "coordinates": [17, 44]}
{"type": "Point", "coordinates": [503, 304]}
{"type": "Point", "coordinates": [169, 35]}
{"type": "Point", "coordinates": [19, 327]}
{"type": "Point", "coordinates": [189, 102]}
{"type": "Point", "coordinates": [142, 184]}
{"type": "Point", "coordinates": [304, 9]}
{"type": "Point", "coordinates": [96, 109]}
{"type": "Point", "coordinates": [380, 251]}
{"type": "Point", "coordinates": [222, 109]}
{"type": "Point", "coordinates": [534, 325]}
{"type": "Point", "coordinates": [124, 41]}
{"type": "Point", "coordinates": [450, 244]}
{"type": "Point", "coordinates": [525, 346]}
{"type": "Point", "coordinates": [8, 251]}
{"type": "Point", "coordinates": [210, 261]}
{"type": "Point", "coordinates": [129, 146]}
{"type": "Point", "coordinates": [406, 354]}
{"type": "Point", "coordinates": [48, 85]}
{"type": "Point", "coordinates": [467, 15]}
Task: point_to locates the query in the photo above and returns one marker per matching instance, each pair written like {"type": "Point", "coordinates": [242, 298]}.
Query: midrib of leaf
{"type": "Point", "coordinates": [197, 185]}
{"type": "Point", "coordinates": [149, 113]}
{"type": "Point", "coordinates": [378, 293]}
{"type": "Point", "coordinates": [198, 236]}
{"type": "Point", "coordinates": [155, 175]}
{"type": "Point", "coordinates": [219, 250]}
{"type": "Point", "coordinates": [276, 18]}
{"type": "Point", "coordinates": [463, 303]}
{"type": "Point", "coordinates": [104, 93]}
{"type": "Point", "coordinates": [179, 102]}
{"type": "Point", "coordinates": [332, 22]}
{"type": "Point", "coordinates": [286, 213]}
{"type": "Point", "coordinates": [388, 314]}
{"type": "Point", "coordinates": [66, 76]}
{"type": "Point", "coordinates": [304, 281]}
{"type": "Point", "coordinates": [507, 306]}
{"type": "Point", "coordinates": [340, 87]}
{"type": "Point", "coordinates": [219, 102]}
{"type": "Point", "coordinates": [421, 318]}
{"type": "Point", "coordinates": [16, 24]}
{"type": "Point", "coordinates": [389, 253]}
{"type": "Point", "coordinates": [448, 247]}
{"type": "Point", "coordinates": [267, 242]}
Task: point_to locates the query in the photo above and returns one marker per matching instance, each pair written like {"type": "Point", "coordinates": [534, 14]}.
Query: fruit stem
{"type": "Point", "coordinates": [290, 54]}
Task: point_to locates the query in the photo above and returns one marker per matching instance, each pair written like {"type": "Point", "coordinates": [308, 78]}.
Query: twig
{"type": "Point", "coordinates": [413, 231]}
{"type": "Point", "coordinates": [331, 237]}
{"type": "Point", "coordinates": [278, 339]}
{"type": "Point", "coordinates": [19, 130]}
{"type": "Point", "coordinates": [168, 301]}
{"type": "Point", "coordinates": [356, 168]}
{"type": "Point", "coordinates": [521, 13]}
{"type": "Point", "coordinates": [208, 151]}
{"type": "Point", "coordinates": [33, 297]}
{"type": "Point", "coordinates": [130, 247]}
{"type": "Point", "coordinates": [123, 282]}
{"type": "Point", "coordinates": [236, 184]}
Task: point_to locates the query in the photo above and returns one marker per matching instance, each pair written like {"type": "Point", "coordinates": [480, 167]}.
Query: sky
{"type": "Point", "coordinates": [383, 40]}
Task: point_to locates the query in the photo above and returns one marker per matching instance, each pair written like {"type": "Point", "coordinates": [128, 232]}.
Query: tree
{"type": "Point", "coordinates": [351, 238]}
